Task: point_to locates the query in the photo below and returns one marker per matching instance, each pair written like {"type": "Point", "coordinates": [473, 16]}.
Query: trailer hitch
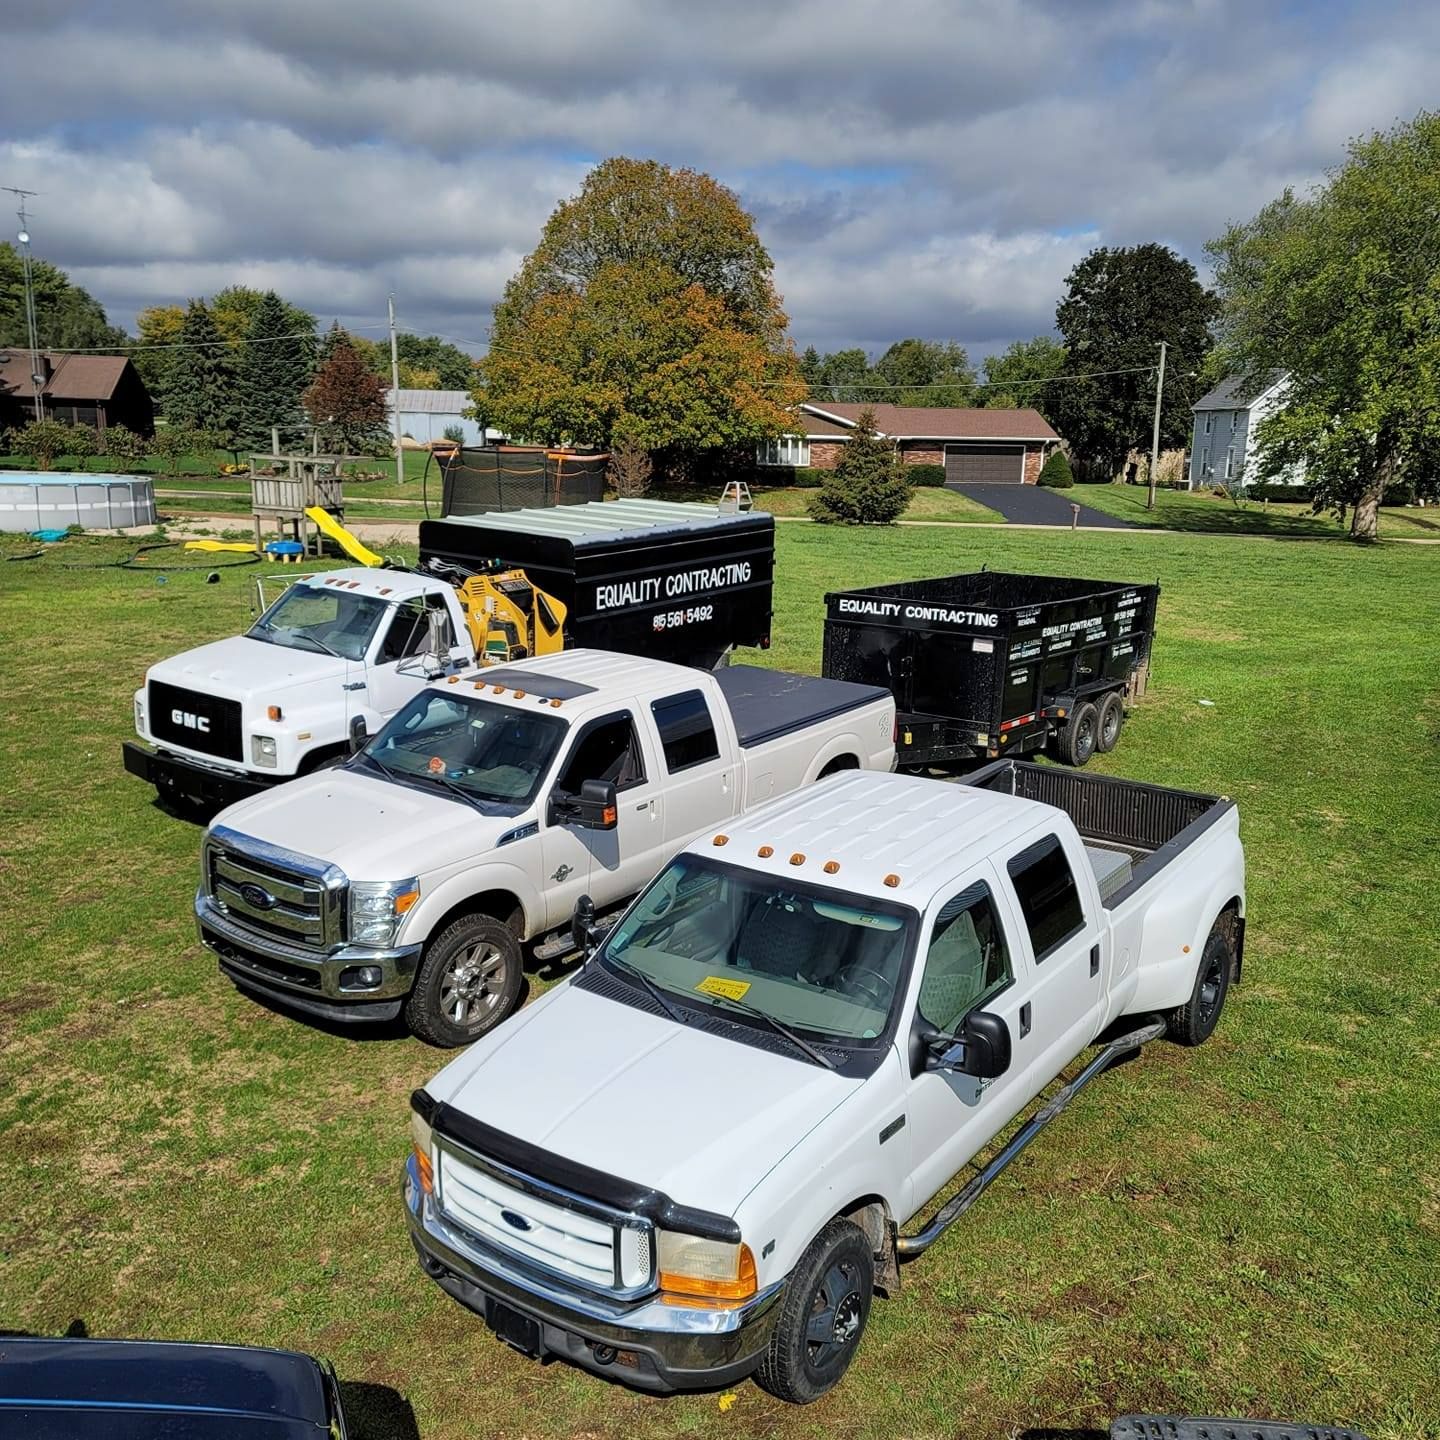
{"type": "Point", "coordinates": [908, 1247]}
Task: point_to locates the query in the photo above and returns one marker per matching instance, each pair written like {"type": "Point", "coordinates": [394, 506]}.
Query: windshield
{"type": "Point", "coordinates": [323, 619]}
{"type": "Point", "coordinates": [491, 752]}
{"type": "Point", "coordinates": [824, 962]}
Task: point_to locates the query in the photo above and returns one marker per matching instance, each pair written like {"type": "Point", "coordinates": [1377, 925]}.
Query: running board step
{"type": "Point", "coordinates": [559, 943]}
{"type": "Point", "coordinates": [907, 1247]}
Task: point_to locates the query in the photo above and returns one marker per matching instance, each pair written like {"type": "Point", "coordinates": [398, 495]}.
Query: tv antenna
{"type": "Point", "coordinates": [37, 375]}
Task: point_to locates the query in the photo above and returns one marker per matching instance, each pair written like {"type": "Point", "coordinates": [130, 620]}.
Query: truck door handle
{"type": "Point", "coordinates": [1024, 1019]}
{"type": "Point", "coordinates": [1094, 959]}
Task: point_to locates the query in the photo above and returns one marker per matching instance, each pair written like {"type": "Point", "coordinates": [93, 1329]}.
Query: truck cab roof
{"type": "Point", "coordinates": [383, 584]}
{"type": "Point", "coordinates": [918, 829]}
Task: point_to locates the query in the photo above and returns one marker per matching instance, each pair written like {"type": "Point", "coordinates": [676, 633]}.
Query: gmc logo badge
{"type": "Point", "coordinates": [190, 722]}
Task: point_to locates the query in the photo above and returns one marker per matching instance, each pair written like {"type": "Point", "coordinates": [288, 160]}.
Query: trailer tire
{"type": "Point", "coordinates": [1107, 728]}
{"type": "Point", "coordinates": [1194, 1022]}
{"type": "Point", "coordinates": [475, 965]}
{"type": "Point", "coordinates": [1075, 744]}
{"type": "Point", "coordinates": [828, 1292]}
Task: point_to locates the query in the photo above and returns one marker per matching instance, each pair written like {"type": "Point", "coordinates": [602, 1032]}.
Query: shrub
{"type": "Point", "coordinates": [631, 470]}
{"type": "Point", "coordinates": [45, 440]}
{"type": "Point", "coordinates": [1298, 493]}
{"type": "Point", "coordinates": [455, 434]}
{"type": "Point", "coordinates": [121, 443]}
{"type": "Point", "coordinates": [926, 475]}
{"type": "Point", "coordinates": [868, 486]}
{"type": "Point", "coordinates": [1055, 472]}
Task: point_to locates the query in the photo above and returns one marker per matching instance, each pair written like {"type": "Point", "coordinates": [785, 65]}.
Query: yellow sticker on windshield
{"type": "Point", "coordinates": [726, 989]}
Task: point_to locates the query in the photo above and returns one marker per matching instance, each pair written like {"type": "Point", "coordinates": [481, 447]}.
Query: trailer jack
{"type": "Point", "coordinates": [908, 1247]}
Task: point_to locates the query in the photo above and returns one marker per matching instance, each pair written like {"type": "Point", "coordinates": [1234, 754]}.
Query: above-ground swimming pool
{"type": "Point", "coordinates": [55, 500]}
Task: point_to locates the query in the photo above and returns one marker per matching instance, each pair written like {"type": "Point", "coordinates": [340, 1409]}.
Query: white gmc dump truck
{"type": "Point", "coordinates": [700, 1156]}
{"type": "Point", "coordinates": [410, 878]}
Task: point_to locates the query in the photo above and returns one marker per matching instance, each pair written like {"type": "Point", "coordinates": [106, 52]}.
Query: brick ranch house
{"type": "Point", "coordinates": [990, 446]}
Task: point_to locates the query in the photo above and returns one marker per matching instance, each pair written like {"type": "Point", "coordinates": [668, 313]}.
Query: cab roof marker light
{"type": "Point", "coordinates": [454, 680]}
{"type": "Point", "coordinates": [832, 867]}
{"type": "Point", "coordinates": [519, 694]}
{"type": "Point", "coordinates": [274, 712]}
{"type": "Point", "coordinates": [499, 689]}
{"type": "Point", "coordinates": [721, 840]}
{"type": "Point", "coordinates": [556, 704]}
{"type": "Point", "coordinates": [892, 881]}
{"type": "Point", "coordinates": [765, 851]}
{"type": "Point", "coordinates": [797, 858]}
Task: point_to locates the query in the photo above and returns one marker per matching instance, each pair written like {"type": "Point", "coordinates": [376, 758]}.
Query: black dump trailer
{"type": "Point", "coordinates": [991, 664]}
{"type": "Point", "coordinates": [644, 577]}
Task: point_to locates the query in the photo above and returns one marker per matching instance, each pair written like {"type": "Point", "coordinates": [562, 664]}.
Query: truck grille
{"type": "Point", "coordinates": [595, 1249]}
{"type": "Point", "coordinates": [294, 903]}
{"type": "Point", "coordinates": [196, 721]}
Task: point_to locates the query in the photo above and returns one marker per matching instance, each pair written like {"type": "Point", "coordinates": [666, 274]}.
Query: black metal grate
{"type": "Point", "coordinates": [196, 721]}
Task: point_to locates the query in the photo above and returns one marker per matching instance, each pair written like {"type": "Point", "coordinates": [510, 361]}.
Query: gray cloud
{"type": "Point", "coordinates": [914, 168]}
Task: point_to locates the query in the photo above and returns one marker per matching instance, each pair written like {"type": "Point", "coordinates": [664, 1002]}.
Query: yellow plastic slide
{"type": "Point", "coordinates": [214, 547]}
{"type": "Point", "coordinates": [330, 526]}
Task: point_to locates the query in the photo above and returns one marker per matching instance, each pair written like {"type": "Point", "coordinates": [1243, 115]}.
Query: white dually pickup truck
{"type": "Point", "coordinates": [698, 1157]}
{"type": "Point", "coordinates": [410, 878]}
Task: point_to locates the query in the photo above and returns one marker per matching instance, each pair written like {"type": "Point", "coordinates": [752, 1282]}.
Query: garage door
{"type": "Point", "coordinates": [977, 464]}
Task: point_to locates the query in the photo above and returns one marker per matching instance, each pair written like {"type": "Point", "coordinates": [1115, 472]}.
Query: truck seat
{"type": "Point", "coordinates": [954, 976]}
{"type": "Point", "coordinates": [780, 937]}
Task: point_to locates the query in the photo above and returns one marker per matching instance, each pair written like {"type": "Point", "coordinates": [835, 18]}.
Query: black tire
{"type": "Point", "coordinates": [1107, 728]}
{"type": "Point", "coordinates": [1194, 1022]}
{"type": "Point", "coordinates": [469, 981]}
{"type": "Point", "coordinates": [839, 763]}
{"type": "Point", "coordinates": [1075, 744]}
{"type": "Point", "coordinates": [830, 1291]}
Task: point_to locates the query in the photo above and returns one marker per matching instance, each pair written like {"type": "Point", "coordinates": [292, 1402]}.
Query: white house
{"type": "Point", "coordinates": [1222, 446]}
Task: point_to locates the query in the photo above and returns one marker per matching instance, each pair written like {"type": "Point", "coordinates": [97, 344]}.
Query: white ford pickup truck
{"type": "Point", "coordinates": [700, 1156]}
{"type": "Point", "coordinates": [409, 878]}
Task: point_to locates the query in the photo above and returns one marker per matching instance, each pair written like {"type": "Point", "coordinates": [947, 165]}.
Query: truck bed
{"type": "Point", "coordinates": [766, 704]}
{"type": "Point", "coordinates": [1146, 825]}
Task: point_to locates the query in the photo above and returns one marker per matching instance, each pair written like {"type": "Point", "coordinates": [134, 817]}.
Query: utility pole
{"type": "Point", "coordinates": [395, 391]}
{"type": "Point", "coordinates": [1155, 433]}
{"type": "Point", "coordinates": [37, 376]}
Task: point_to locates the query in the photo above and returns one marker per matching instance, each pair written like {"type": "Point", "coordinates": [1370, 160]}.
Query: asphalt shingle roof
{"type": "Point", "coordinates": [1233, 393]}
{"type": "Point", "coordinates": [939, 423]}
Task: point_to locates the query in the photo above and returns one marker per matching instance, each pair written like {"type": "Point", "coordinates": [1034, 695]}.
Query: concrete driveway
{"type": "Point", "coordinates": [1033, 505]}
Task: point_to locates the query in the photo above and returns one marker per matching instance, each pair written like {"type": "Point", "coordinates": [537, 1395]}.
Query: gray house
{"type": "Point", "coordinates": [1222, 446]}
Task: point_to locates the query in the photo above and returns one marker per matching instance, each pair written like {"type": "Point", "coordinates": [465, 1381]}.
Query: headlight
{"type": "Point", "coordinates": [262, 750]}
{"type": "Point", "coordinates": [139, 712]}
{"type": "Point", "coordinates": [376, 909]}
{"type": "Point", "coordinates": [709, 1269]}
{"type": "Point", "coordinates": [422, 1141]}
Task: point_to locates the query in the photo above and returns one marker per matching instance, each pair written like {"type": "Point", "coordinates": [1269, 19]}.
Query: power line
{"type": "Point", "coordinates": [130, 346]}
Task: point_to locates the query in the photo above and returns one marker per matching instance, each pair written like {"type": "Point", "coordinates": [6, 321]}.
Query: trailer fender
{"type": "Point", "coordinates": [457, 895]}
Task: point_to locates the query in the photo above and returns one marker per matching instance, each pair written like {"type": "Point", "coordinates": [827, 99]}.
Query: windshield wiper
{"type": "Point", "coordinates": [650, 985]}
{"type": "Point", "coordinates": [473, 801]}
{"type": "Point", "coordinates": [777, 1027]}
{"type": "Point", "coordinates": [313, 640]}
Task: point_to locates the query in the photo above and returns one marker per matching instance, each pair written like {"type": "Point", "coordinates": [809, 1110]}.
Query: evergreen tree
{"type": "Point", "coordinates": [200, 387]}
{"type": "Point", "coordinates": [868, 486]}
{"type": "Point", "coordinates": [1055, 472]}
{"type": "Point", "coordinates": [274, 369]}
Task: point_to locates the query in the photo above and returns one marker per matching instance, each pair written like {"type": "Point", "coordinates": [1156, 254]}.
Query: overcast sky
{"type": "Point", "coordinates": [915, 167]}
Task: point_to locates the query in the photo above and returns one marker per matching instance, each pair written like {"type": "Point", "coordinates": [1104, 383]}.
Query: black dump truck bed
{"type": "Point", "coordinates": [766, 704]}
{"type": "Point", "coordinates": [974, 658]}
{"type": "Point", "coordinates": [645, 577]}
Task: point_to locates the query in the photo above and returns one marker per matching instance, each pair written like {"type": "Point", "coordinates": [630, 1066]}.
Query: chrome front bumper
{"type": "Point", "coordinates": [647, 1343]}
{"type": "Point", "coordinates": [305, 978]}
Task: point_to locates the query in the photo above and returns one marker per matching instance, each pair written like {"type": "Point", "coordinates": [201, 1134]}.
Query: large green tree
{"type": "Point", "coordinates": [925, 372]}
{"type": "Point", "coordinates": [646, 314]}
{"type": "Point", "coordinates": [200, 384]}
{"type": "Point", "coordinates": [841, 375]}
{"type": "Point", "coordinates": [1020, 374]}
{"type": "Point", "coordinates": [67, 317]}
{"type": "Point", "coordinates": [1341, 289]}
{"type": "Point", "coordinates": [275, 365]}
{"type": "Point", "coordinates": [157, 330]}
{"type": "Point", "coordinates": [1118, 306]}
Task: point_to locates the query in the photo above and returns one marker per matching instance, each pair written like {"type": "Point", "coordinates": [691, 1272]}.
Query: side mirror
{"type": "Point", "coordinates": [437, 642]}
{"type": "Point", "coordinates": [981, 1047]}
{"type": "Point", "coordinates": [582, 926]}
{"type": "Point", "coordinates": [358, 734]}
{"type": "Point", "coordinates": [597, 808]}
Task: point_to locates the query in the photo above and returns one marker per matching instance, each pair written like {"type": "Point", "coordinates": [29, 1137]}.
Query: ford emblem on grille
{"type": "Point", "coordinates": [516, 1222]}
{"type": "Point", "coordinates": [257, 898]}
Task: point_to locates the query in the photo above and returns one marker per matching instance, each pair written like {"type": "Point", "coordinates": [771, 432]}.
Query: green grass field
{"type": "Point", "coordinates": [1250, 1227]}
{"type": "Point", "coordinates": [1211, 514]}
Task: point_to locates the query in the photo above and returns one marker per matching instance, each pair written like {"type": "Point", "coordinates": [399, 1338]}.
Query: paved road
{"type": "Point", "coordinates": [1032, 505]}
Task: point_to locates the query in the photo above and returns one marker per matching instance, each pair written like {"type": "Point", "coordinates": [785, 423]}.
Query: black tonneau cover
{"type": "Point", "coordinates": [765, 704]}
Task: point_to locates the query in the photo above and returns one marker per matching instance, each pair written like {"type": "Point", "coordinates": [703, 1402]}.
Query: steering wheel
{"type": "Point", "coordinates": [869, 984]}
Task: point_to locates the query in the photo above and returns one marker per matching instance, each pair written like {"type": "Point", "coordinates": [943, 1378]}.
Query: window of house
{"type": "Point", "coordinates": [687, 733]}
{"type": "Point", "coordinates": [1048, 898]}
{"type": "Point", "coordinates": [1230, 463]}
{"type": "Point", "coordinates": [1234, 421]}
{"type": "Point", "coordinates": [1209, 420]}
{"type": "Point", "coordinates": [1205, 461]}
{"type": "Point", "coordinates": [608, 750]}
{"type": "Point", "coordinates": [787, 450]}
{"type": "Point", "coordinates": [968, 961]}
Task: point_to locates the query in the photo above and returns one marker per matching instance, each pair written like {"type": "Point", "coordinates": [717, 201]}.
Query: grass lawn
{"type": "Point", "coordinates": [1194, 510]}
{"type": "Point", "coordinates": [928, 503]}
{"type": "Point", "coordinates": [1250, 1227]}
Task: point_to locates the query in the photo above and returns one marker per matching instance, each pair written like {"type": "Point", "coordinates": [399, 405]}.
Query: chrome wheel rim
{"type": "Point", "coordinates": [470, 987]}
